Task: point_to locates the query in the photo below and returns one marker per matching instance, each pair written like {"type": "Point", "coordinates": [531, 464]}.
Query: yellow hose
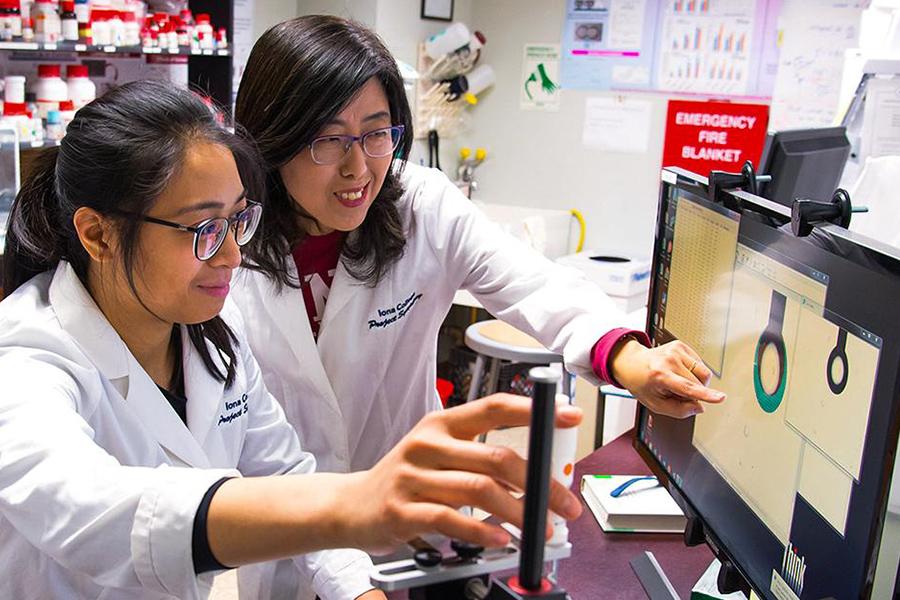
{"type": "Point", "coordinates": [581, 226]}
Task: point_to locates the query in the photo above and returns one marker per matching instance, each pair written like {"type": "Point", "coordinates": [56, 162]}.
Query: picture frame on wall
{"type": "Point", "coordinates": [437, 10]}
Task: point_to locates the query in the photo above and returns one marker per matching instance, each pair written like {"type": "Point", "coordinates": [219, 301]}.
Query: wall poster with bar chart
{"type": "Point", "coordinates": [703, 47]}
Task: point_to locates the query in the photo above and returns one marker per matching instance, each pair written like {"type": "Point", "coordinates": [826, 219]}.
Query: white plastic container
{"type": "Point", "coordinates": [171, 37]}
{"type": "Point", "coordinates": [16, 117]}
{"type": "Point", "coordinates": [47, 24]}
{"type": "Point", "coordinates": [454, 37]}
{"type": "Point", "coordinates": [132, 29]}
{"type": "Point", "coordinates": [14, 89]}
{"type": "Point", "coordinates": [623, 276]}
{"type": "Point", "coordinates": [49, 89]}
{"type": "Point", "coordinates": [116, 28]}
{"type": "Point", "coordinates": [81, 89]}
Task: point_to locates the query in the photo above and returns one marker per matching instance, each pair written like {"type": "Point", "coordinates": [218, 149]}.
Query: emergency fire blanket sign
{"type": "Point", "coordinates": [706, 136]}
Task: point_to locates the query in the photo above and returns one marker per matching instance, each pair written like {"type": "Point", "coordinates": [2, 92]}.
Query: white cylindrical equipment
{"type": "Point", "coordinates": [565, 442]}
{"type": "Point", "coordinates": [453, 38]}
{"type": "Point", "coordinates": [481, 78]}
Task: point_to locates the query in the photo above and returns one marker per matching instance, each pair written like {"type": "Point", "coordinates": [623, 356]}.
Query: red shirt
{"type": "Point", "coordinates": [316, 258]}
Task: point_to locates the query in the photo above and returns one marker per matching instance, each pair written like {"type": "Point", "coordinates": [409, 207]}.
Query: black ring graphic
{"type": "Point", "coordinates": [838, 353]}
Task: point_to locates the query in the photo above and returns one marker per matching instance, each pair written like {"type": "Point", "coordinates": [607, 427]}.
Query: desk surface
{"type": "Point", "coordinates": [598, 568]}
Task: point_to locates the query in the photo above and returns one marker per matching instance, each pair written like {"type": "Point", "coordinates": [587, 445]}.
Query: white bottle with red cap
{"type": "Point", "coordinates": [47, 24]}
{"type": "Point", "coordinates": [204, 32]}
{"type": "Point", "coordinates": [49, 89]}
{"type": "Point", "coordinates": [222, 39]}
{"type": "Point", "coordinates": [116, 28]}
{"type": "Point", "coordinates": [15, 114]}
{"type": "Point", "coordinates": [10, 20]}
{"type": "Point", "coordinates": [100, 29]}
{"type": "Point", "coordinates": [69, 20]}
{"type": "Point", "coordinates": [81, 89]}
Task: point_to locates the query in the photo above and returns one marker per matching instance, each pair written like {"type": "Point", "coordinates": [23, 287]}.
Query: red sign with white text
{"type": "Point", "coordinates": [706, 136]}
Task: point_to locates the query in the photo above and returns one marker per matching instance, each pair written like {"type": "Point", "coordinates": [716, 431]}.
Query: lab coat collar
{"type": "Point", "coordinates": [80, 316]}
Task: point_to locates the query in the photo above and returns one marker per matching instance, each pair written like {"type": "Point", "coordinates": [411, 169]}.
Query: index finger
{"type": "Point", "coordinates": [691, 390]}
{"type": "Point", "coordinates": [499, 410]}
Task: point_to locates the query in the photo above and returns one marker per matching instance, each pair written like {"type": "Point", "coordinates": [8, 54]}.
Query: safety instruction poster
{"type": "Point", "coordinates": [703, 136]}
{"type": "Point", "coordinates": [704, 47]}
{"type": "Point", "coordinates": [539, 86]}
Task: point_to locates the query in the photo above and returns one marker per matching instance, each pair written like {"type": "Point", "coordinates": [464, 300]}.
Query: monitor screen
{"type": "Point", "coordinates": [804, 163]}
{"type": "Point", "coordinates": [791, 475]}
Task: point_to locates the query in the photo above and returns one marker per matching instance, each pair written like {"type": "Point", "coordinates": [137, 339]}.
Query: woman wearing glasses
{"type": "Point", "coordinates": [138, 443]}
{"type": "Point", "coordinates": [361, 254]}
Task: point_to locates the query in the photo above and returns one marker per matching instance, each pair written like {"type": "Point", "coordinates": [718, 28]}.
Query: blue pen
{"type": "Point", "coordinates": [618, 491]}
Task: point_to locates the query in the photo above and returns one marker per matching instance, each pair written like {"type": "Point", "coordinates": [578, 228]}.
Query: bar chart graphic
{"type": "Point", "coordinates": [706, 46]}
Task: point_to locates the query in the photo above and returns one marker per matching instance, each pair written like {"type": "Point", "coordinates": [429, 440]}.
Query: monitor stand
{"type": "Point", "coordinates": [658, 587]}
{"type": "Point", "coordinates": [654, 581]}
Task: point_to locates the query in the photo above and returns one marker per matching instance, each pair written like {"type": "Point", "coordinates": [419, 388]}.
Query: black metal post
{"type": "Point", "coordinates": [537, 486]}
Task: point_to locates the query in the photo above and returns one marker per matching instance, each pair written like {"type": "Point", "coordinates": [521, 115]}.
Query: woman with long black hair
{"type": "Point", "coordinates": [360, 255]}
{"type": "Point", "coordinates": [140, 451]}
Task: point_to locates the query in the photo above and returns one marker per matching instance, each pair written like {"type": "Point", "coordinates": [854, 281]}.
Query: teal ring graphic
{"type": "Point", "coordinates": [772, 336]}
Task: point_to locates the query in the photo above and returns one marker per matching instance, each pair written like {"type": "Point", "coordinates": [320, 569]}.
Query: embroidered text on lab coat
{"type": "Point", "coordinates": [392, 314]}
{"type": "Point", "coordinates": [237, 407]}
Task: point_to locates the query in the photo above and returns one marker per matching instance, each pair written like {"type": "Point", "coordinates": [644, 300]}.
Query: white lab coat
{"type": "Point", "coordinates": [99, 478]}
{"type": "Point", "coordinates": [371, 376]}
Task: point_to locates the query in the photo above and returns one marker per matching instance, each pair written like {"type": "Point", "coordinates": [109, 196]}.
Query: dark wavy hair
{"type": "Point", "coordinates": [299, 76]}
{"type": "Point", "coordinates": [118, 155]}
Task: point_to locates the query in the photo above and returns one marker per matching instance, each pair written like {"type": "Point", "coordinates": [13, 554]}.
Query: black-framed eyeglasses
{"type": "Point", "coordinates": [209, 234]}
{"type": "Point", "coordinates": [378, 143]}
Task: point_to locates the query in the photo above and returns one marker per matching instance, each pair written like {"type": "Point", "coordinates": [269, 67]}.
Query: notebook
{"type": "Point", "coordinates": [644, 506]}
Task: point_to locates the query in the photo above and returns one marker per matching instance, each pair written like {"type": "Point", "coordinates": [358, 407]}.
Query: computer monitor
{"type": "Point", "coordinates": [803, 163]}
{"type": "Point", "coordinates": [791, 477]}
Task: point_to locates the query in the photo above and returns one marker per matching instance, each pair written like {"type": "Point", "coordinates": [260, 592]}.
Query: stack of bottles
{"type": "Point", "coordinates": [50, 104]}
{"type": "Point", "coordinates": [176, 32]}
{"type": "Point", "coordinates": [108, 23]}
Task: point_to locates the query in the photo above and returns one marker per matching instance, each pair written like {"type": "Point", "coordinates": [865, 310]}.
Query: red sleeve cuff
{"type": "Point", "coordinates": [604, 347]}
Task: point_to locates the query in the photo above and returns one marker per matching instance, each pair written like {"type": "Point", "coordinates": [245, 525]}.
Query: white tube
{"type": "Point", "coordinates": [481, 78]}
{"type": "Point", "coordinates": [565, 442]}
